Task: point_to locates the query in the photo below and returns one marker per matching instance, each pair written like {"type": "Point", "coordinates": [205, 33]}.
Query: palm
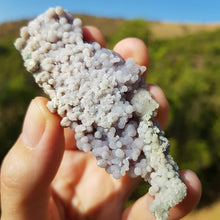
{"type": "Point", "coordinates": [82, 188]}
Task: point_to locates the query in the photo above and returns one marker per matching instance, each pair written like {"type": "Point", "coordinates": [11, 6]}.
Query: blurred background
{"type": "Point", "coordinates": [183, 40]}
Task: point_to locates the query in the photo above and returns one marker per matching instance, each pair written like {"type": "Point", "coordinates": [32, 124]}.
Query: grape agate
{"type": "Point", "coordinates": [104, 99]}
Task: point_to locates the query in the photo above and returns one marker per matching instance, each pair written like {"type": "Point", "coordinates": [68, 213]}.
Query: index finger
{"type": "Point", "coordinates": [135, 48]}
{"type": "Point", "coordinates": [93, 34]}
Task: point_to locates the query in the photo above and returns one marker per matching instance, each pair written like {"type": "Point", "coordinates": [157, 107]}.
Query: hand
{"type": "Point", "coordinates": [45, 177]}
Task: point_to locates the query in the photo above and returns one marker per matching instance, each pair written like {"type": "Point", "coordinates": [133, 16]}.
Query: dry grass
{"type": "Point", "coordinates": [211, 212]}
{"type": "Point", "coordinates": [11, 28]}
{"type": "Point", "coordinates": [170, 30]}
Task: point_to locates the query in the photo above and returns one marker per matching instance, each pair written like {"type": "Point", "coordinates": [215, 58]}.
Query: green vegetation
{"type": "Point", "coordinates": [130, 28]}
{"type": "Point", "coordinates": [16, 91]}
{"type": "Point", "coordinates": [186, 68]}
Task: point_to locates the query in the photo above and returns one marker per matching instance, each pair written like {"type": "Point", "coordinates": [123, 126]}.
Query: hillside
{"type": "Point", "coordinates": [185, 63]}
{"type": "Point", "coordinates": [109, 26]}
{"type": "Point", "coordinates": [159, 30]}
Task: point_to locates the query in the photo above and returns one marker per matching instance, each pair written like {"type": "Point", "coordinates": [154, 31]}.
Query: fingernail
{"type": "Point", "coordinates": [33, 126]}
{"type": "Point", "coordinates": [188, 175]}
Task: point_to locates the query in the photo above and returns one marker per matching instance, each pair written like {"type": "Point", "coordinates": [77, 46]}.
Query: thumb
{"type": "Point", "coordinates": [31, 164]}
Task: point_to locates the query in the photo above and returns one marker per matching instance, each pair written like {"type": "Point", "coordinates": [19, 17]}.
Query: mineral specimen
{"type": "Point", "coordinates": [105, 100]}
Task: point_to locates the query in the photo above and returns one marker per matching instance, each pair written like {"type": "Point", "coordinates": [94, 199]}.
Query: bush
{"type": "Point", "coordinates": [187, 69]}
{"type": "Point", "coordinates": [17, 88]}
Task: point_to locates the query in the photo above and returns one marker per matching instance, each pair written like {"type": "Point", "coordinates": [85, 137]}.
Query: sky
{"type": "Point", "coordinates": [176, 11]}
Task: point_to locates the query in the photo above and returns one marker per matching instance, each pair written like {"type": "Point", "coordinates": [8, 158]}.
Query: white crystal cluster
{"type": "Point", "coordinates": [104, 99]}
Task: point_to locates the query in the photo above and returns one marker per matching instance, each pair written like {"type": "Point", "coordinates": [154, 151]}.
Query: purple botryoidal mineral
{"type": "Point", "coordinates": [104, 99]}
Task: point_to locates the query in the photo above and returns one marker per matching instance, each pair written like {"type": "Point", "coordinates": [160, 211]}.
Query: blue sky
{"type": "Point", "coordinates": [184, 11]}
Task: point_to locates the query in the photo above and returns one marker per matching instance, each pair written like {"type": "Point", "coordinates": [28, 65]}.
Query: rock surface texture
{"type": "Point", "coordinates": [104, 99]}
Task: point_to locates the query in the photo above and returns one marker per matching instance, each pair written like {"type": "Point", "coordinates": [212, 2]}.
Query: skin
{"type": "Point", "coordinates": [45, 177]}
